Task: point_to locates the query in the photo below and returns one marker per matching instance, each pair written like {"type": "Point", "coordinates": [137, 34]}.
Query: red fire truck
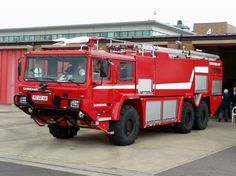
{"type": "Point", "coordinates": [128, 87]}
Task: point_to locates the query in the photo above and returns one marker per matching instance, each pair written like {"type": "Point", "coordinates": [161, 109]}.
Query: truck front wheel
{"type": "Point", "coordinates": [127, 128]}
{"type": "Point", "coordinates": [62, 132]}
{"type": "Point", "coordinates": [186, 124]}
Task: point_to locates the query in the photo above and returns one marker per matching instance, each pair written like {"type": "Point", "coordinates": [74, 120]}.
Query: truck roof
{"type": "Point", "coordinates": [94, 53]}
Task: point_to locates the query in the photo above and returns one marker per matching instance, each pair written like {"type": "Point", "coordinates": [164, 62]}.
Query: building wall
{"type": "Point", "coordinates": [8, 74]}
{"type": "Point", "coordinates": [186, 45]}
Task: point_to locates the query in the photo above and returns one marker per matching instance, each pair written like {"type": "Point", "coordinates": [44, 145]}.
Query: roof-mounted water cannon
{"type": "Point", "coordinates": [89, 42]}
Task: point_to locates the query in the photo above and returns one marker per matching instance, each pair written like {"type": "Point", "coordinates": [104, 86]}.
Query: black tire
{"type": "Point", "coordinates": [186, 124]}
{"type": "Point", "coordinates": [127, 128]}
{"type": "Point", "coordinates": [201, 116]}
{"type": "Point", "coordinates": [62, 132]}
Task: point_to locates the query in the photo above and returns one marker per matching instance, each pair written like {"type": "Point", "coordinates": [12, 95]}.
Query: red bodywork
{"type": "Point", "coordinates": [161, 82]}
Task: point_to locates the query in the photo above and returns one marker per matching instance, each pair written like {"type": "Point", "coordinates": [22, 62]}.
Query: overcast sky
{"type": "Point", "coordinates": [27, 13]}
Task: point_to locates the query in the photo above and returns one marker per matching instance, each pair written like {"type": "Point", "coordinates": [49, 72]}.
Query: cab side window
{"type": "Point", "coordinates": [126, 71]}
{"type": "Point", "coordinates": [96, 70]}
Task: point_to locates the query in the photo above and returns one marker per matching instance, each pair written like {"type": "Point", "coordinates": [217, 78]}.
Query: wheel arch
{"type": "Point", "coordinates": [202, 99]}
{"type": "Point", "coordinates": [206, 100]}
{"type": "Point", "coordinates": [125, 100]}
{"type": "Point", "coordinates": [136, 103]}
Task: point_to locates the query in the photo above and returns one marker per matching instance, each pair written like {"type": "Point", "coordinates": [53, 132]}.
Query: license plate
{"type": "Point", "coordinates": [40, 98]}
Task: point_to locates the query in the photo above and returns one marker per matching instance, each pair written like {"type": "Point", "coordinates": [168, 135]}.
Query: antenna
{"type": "Point", "coordinates": [155, 15]}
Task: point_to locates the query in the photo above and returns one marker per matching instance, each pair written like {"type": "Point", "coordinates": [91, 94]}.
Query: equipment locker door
{"type": "Point", "coordinates": [145, 79]}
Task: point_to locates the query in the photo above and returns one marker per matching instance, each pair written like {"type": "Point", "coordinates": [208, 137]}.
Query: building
{"type": "Point", "coordinates": [15, 42]}
{"type": "Point", "coordinates": [214, 28]}
{"type": "Point", "coordinates": [111, 30]}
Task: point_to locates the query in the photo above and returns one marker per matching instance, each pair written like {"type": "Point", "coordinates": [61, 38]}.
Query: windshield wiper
{"type": "Point", "coordinates": [49, 78]}
{"type": "Point", "coordinates": [73, 81]}
{"type": "Point", "coordinates": [32, 79]}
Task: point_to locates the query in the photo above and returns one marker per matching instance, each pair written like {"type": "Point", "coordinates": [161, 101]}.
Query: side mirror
{"type": "Point", "coordinates": [19, 69]}
{"type": "Point", "coordinates": [104, 68]}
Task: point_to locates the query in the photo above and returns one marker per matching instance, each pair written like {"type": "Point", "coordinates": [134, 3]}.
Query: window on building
{"type": "Point", "coordinates": [124, 34]}
{"type": "Point", "coordinates": [37, 37]}
{"type": "Point", "coordinates": [21, 38]}
{"type": "Point", "coordinates": [31, 37]}
{"type": "Point", "coordinates": [26, 38]}
{"type": "Point", "coordinates": [90, 34]}
{"type": "Point", "coordinates": [11, 38]}
{"type": "Point", "coordinates": [97, 34]}
{"type": "Point", "coordinates": [60, 35]}
{"type": "Point", "coordinates": [110, 34]}
{"type": "Point", "coordinates": [42, 37]}
{"type": "Point", "coordinates": [54, 36]}
{"type": "Point", "coordinates": [146, 33]}
{"type": "Point", "coordinates": [46, 37]}
{"type": "Point", "coordinates": [67, 36]}
{"type": "Point", "coordinates": [6, 39]}
{"type": "Point", "coordinates": [84, 34]}
{"type": "Point", "coordinates": [131, 34]}
{"type": "Point", "coordinates": [139, 33]}
{"type": "Point", "coordinates": [72, 35]}
{"type": "Point", "coordinates": [117, 34]}
{"type": "Point", "coordinates": [103, 34]}
{"type": "Point", "coordinates": [17, 38]}
{"type": "Point", "coordinates": [126, 71]}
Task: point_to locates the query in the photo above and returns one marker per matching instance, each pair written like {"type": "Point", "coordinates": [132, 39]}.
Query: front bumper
{"type": "Point", "coordinates": [33, 101]}
{"type": "Point", "coordinates": [60, 110]}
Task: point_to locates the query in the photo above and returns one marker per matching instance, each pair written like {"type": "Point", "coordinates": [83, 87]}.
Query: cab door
{"type": "Point", "coordinates": [102, 86]}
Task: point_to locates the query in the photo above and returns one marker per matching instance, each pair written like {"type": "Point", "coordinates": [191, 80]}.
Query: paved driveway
{"type": "Point", "coordinates": [90, 153]}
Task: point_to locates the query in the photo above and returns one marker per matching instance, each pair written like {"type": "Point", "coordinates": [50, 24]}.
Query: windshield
{"type": "Point", "coordinates": [56, 69]}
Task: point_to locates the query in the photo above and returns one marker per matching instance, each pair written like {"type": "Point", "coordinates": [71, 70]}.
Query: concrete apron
{"type": "Point", "coordinates": [90, 153]}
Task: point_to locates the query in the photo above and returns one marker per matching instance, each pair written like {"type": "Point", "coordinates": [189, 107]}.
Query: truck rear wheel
{"type": "Point", "coordinates": [201, 116]}
{"type": "Point", "coordinates": [127, 128]}
{"type": "Point", "coordinates": [62, 132]}
{"type": "Point", "coordinates": [186, 124]}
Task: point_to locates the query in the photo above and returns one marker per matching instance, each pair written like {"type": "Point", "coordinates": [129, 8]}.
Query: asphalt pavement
{"type": "Point", "coordinates": [11, 169]}
{"type": "Point", "coordinates": [219, 164]}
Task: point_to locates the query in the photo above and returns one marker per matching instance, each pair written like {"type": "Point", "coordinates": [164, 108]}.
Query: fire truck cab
{"type": "Point", "coordinates": [129, 87]}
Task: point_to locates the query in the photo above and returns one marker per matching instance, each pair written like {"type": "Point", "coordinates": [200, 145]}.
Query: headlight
{"type": "Point", "coordinates": [74, 104]}
{"type": "Point", "coordinates": [22, 100]}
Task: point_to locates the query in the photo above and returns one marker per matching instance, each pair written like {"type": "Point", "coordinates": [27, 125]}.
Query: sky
{"type": "Point", "coordinates": [31, 13]}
